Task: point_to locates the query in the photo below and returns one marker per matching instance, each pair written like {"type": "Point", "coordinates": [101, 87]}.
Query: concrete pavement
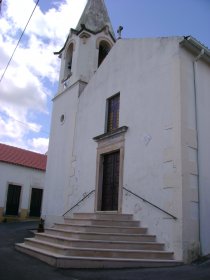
{"type": "Point", "coordinates": [14, 265]}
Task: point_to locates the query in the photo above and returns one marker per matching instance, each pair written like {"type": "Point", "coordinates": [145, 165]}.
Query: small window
{"type": "Point", "coordinates": [62, 118]}
{"type": "Point", "coordinates": [113, 113]}
{"type": "Point", "coordinates": [104, 49]}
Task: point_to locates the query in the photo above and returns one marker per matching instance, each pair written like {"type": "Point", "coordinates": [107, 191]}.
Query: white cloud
{"type": "Point", "coordinates": [9, 128]}
{"type": "Point", "coordinates": [39, 145]}
{"type": "Point", "coordinates": [27, 84]}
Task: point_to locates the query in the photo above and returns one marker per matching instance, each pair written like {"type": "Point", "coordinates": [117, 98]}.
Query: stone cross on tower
{"type": "Point", "coordinates": [119, 31]}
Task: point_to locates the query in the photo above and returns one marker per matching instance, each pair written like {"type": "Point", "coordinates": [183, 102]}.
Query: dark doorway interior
{"type": "Point", "coordinates": [13, 200]}
{"type": "Point", "coordinates": [36, 202]}
{"type": "Point", "coordinates": [110, 187]}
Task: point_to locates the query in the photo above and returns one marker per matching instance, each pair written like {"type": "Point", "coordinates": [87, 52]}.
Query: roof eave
{"type": "Point", "coordinates": [195, 47]}
{"type": "Point", "coordinates": [25, 166]}
{"type": "Point", "coordinates": [72, 31]}
{"type": "Point", "coordinates": [83, 28]}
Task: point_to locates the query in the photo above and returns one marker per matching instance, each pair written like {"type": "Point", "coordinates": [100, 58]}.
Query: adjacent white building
{"type": "Point", "coordinates": [22, 179]}
{"type": "Point", "coordinates": [130, 122]}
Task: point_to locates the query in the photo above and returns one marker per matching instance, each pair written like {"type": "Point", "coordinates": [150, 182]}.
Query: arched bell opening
{"type": "Point", "coordinates": [68, 63]}
{"type": "Point", "coordinates": [104, 49]}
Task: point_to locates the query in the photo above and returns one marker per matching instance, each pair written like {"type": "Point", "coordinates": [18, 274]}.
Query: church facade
{"type": "Point", "coordinates": [130, 132]}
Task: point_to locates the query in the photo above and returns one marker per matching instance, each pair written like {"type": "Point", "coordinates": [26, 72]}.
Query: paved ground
{"type": "Point", "coordinates": [14, 265]}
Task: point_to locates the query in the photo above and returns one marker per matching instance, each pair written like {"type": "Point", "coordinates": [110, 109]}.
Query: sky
{"type": "Point", "coordinates": [30, 82]}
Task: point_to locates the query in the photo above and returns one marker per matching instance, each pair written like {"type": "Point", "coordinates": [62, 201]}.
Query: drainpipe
{"type": "Point", "coordinates": [197, 129]}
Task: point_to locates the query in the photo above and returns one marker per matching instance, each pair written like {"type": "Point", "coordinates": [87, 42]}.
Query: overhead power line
{"type": "Point", "coordinates": [29, 126]}
{"type": "Point", "coordinates": [18, 40]}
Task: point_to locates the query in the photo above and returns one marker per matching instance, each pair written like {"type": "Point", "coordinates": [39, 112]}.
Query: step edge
{"type": "Point", "coordinates": [103, 233]}
{"type": "Point", "coordinates": [60, 257]}
{"type": "Point", "coordinates": [104, 213]}
{"type": "Point", "coordinates": [99, 241]}
{"type": "Point", "coordinates": [106, 220]}
{"type": "Point", "coordinates": [100, 226]}
{"type": "Point", "coordinates": [94, 249]}
{"type": "Point", "coordinates": [97, 215]}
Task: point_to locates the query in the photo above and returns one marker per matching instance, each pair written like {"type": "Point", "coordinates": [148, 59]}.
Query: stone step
{"type": "Point", "coordinates": [101, 236]}
{"type": "Point", "coordinates": [61, 261]}
{"type": "Point", "coordinates": [104, 229]}
{"type": "Point", "coordinates": [105, 216]}
{"type": "Point", "coordinates": [101, 222]}
{"type": "Point", "coordinates": [98, 252]}
{"type": "Point", "coordinates": [100, 243]}
{"type": "Point", "coordinates": [98, 240]}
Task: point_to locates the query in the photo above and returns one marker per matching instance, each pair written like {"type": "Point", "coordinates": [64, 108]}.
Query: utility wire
{"type": "Point", "coordinates": [25, 124]}
{"type": "Point", "coordinates": [18, 41]}
{"type": "Point", "coordinates": [29, 126]}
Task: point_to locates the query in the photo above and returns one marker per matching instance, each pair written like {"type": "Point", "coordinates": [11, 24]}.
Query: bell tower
{"type": "Point", "coordinates": [82, 54]}
{"type": "Point", "coordinates": [86, 46]}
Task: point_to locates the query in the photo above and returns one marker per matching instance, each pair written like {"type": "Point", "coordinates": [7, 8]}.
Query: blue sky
{"type": "Point", "coordinates": [155, 18]}
{"type": "Point", "coordinates": [31, 80]}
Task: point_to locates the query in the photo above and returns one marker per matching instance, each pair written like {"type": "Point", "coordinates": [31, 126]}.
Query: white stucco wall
{"type": "Point", "coordinates": [155, 81]}
{"type": "Point", "coordinates": [195, 153]}
{"type": "Point", "coordinates": [61, 175]}
{"type": "Point", "coordinates": [27, 178]}
{"type": "Point", "coordinates": [203, 103]}
{"type": "Point", "coordinates": [146, 73]}
{"type": "Point", "coordinates": [189, 157]}
{"type": "Point", "coordinates": [60, 154]}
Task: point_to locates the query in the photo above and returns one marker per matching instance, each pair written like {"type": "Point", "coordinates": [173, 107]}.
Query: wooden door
{"type": "Point", "coordinates": [110, 186]}
{"type": "Point", "coordinates": [36, 202]}
{"type": "Point", "coordinates": [13, 200]}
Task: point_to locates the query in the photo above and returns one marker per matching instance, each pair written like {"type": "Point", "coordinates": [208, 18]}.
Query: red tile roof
{"type": "Point", "coordinates": [17, 156]}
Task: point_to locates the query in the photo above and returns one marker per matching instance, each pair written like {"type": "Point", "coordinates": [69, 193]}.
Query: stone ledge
{"type": "Point", "coordinates": [115, 132]}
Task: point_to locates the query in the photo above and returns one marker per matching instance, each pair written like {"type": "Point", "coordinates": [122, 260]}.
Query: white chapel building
{"type": "Point", "coordinates": [130, 132]}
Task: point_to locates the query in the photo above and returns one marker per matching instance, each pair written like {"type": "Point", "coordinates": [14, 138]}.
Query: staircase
{"type": "Point", "coordinates": [98, 240]}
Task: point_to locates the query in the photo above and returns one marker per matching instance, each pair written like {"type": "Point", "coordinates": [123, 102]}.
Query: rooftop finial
{"type": "Point", "coordinates": [119, 31]}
